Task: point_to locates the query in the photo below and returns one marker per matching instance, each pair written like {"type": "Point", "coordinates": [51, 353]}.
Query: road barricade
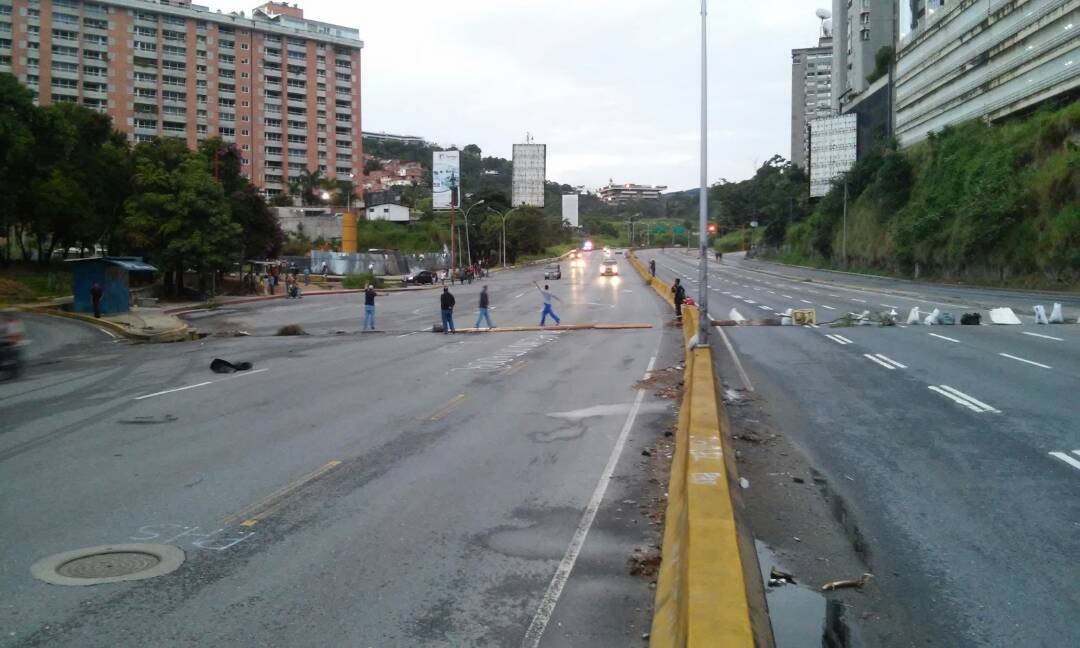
{"type": "Point", "coordinates": [708, 592]}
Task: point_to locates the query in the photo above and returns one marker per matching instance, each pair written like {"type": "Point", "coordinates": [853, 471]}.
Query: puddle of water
{"type": "Point", "coordinates": [800, 617]}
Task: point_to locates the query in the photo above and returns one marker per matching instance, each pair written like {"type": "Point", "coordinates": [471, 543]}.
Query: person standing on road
{"type": "Point", "coordinates": [96, 292]}
{"type": "Point", "coordinates": [447, 301]}
{"type": "Point", "coordinates": [652, 267]}
{"type": "Point", "coordinates": [484, 315]}
{"type": "Point", "coordinates": [307, 275]}
{"type": "Point", "coordinates": [545, 292]}
{"type": "Point", "coordinates": [369, 307]}
{"type": "Point", "coordinates": [680, 296]}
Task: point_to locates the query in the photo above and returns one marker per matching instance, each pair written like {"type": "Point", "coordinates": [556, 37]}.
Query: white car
{"type": "Point", "coordinates": [609, 268]}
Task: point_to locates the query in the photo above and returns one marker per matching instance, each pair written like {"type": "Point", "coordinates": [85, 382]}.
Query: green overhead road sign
{"type": "Point", "coordinates": [680, 230]}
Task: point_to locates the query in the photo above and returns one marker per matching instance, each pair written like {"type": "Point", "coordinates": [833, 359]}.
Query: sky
{"type": "Point", "coordinates": [611, 86]}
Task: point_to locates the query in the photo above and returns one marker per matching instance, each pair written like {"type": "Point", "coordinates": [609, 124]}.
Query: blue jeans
{"type": "Point", "coordinates": [369, 317]}
{"type": "Point", "coordinates": [484, 315]}
{"type": "Point", "coordinates": [447, 321]}
{"type": "Point", "coordinates": [547, 311]}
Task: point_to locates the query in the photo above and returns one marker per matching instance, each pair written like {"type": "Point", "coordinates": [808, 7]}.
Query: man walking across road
{"type": "Point", "coordinates": [96, 293]}
{"type": "Point", "coordinates": [369, 307]}
{"type": "Point", "coordinates": [545, 292]}
{"type": "Point", "coordinates": [446, 301]}
{"type": "Point", "coordinates": [484, 315]}
{"type": "Point", "coordinates": [680, 296]}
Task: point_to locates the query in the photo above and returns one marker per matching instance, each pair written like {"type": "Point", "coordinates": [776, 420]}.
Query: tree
{"type": "Point", "coordinates": [178, 214]}
{"type": "Point", "coordinates": [16, 154]}
{"type": "Point", "coordinates": [307, 184]}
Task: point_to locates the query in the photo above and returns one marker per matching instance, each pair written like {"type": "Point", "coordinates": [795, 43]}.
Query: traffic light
{"type": "Point", "coordinates": [712, 228]}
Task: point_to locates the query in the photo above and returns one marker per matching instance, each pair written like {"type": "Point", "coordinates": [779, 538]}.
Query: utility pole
{"type": "Point", "coordinates": [704, 323]}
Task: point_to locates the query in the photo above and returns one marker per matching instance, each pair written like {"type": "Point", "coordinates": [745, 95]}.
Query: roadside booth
{"type": "Point", "coordinates": [115, 274]}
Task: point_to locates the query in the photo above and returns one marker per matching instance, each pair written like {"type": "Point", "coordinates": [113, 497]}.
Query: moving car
{"type": "Point", "coordinates": [422, 277]}
{"type": "Point", "coordinates": [553, 271]}
{"type": "Point", "coordinates": [609, 268]}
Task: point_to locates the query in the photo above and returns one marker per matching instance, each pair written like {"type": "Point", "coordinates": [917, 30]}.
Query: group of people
{"type": "Point", "coordinates": [447, 302]}
{"type": "Point", "coordinates": [278, 273]}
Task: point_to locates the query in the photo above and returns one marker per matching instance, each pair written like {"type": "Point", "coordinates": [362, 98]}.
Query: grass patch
{"type": "Point", "coordinates": [22, 282]}
{"type": "Point", "coordinates": [361, 281]}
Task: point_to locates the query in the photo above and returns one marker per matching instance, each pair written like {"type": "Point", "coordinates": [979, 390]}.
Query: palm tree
{"type": "Point", "coordinates": [306, 184]}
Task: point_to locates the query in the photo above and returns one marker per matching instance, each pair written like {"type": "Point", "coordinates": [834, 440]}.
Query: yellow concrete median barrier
{"type": "Point", "coordinates": [708, 592]}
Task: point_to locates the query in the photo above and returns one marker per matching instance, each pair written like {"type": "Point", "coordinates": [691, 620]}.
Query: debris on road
{"type": "Point", "coordinates": [217, 365]}
{"type": "Point", "coordinates": [779, 578]}
{"type": "Point", "coordinates": [857, 583]}
{"type": "Point", "coordinates": [970, 319]}
{"type": "Point", "coordinates": [291, 329]}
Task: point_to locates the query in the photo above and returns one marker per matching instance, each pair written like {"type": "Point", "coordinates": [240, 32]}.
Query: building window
{"type": "Point", "coordinates": [865, 34]}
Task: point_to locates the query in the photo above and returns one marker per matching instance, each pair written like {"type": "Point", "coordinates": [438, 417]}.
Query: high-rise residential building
{"type": "Point", "coordinates": [284, 89]}
{"type": "Point", "coordinates": [811, 93]}
{"type": "Point", "coordinates": [861, 29]}
{"type": "Point", "coordinates": [982, 60]}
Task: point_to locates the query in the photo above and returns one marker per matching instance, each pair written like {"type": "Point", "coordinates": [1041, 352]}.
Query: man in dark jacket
{"type": "Point", "coordinates": [680, 297]}
{"type": "Point", "coordinates": [652, 267]}
{"type": "Point", "coordinates": [484, 315]}
{"type": "Point", "coordinates": [369, 307]}
{"type": "Point", "coordinates": [96, 293]}
{"type": "Point", "coordinates": [447, 302]}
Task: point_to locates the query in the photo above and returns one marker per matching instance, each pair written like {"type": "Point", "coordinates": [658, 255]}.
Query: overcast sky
{"type": "Point", "coordinates": [611, 86]}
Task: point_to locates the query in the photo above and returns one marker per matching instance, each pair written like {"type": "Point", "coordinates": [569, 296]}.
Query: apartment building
{"type": "Point", "coordinates": [811, 93]}
{"type": "Point", "coordinates": [284, 89]}
{"type": "Point", "coordinates": [622, 193]}
{"type": "Point", "coordinates": [862, 27]}
{"type": "Point", "coordinates": [986, 60]}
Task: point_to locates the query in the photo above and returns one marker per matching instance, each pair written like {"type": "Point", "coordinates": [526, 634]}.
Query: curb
{"type": "Point", "coordinates": [706, 594]}
{"type": "Point", "coordinates": [171, 335]}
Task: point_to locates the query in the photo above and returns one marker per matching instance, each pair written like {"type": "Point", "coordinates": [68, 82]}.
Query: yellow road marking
{"type": "Point", "coordinates": [273, 502]}
{"type": "Point", "coordinates": [514, 368]}
{"type": "Point", "coordinates": [445, 410]}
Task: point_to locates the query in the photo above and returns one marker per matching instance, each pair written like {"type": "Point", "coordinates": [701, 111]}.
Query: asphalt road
{"type": "Point", "coordinates": [397, 488]}
{"type": "Point", "coordinates": [940, 440]}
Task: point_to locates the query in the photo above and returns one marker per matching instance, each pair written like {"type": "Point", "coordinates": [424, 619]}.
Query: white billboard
{"type": "Point", "coordinates": [445, 180]}
{"type": "Point", "coordinates": [569, 209]}
{"type": "Point", "coordinates": [530, 161]}
{"type": "Point", "coordinates": [833, 143]}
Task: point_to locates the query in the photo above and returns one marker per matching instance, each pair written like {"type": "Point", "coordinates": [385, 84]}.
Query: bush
{"type": "Point", "coordinates": [362, 280]}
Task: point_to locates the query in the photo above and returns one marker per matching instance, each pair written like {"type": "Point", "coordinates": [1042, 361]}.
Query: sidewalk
{"type": "Point", "coordinates": [143, 324]}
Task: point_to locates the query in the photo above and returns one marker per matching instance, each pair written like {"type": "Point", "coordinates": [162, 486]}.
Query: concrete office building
{"type": "Point", "coordinates": [811, 92]}
{"type": "Point", "coordinates": [618, 194]}
{"type": "Point", "coordinates": [861, 28]}
{"type": "Point", "coordinates": [284, 89]}
{"type": "Point", "coordinates": [986, 60]}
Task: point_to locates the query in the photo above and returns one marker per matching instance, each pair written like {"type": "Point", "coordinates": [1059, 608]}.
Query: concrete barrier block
{"type": "Point", "coordinates": [1056, 317]}
{"type": "Point", "coordinates": [1040, 314]}
{"type": "Point", "coordinates": [1003, 316]}
{"type": "Point", "coordinates": [913, 316]}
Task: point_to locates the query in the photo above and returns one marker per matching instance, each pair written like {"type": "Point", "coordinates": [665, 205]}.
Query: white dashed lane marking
{"type": "Point", "coordinates": [961, 398]}
{"type": "Point", "coordinates": [1030, 362]}
{"type": "Point", "coordinates": [1040, 335]}
{"type": "Point", "coordinates": [943, 337]}
{"type": "Point", "coordinates": [839, 339]}
{"type": "Point", "coordinates": [1067, 459]}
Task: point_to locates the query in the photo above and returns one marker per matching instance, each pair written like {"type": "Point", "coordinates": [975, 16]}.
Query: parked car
{"type": "Point", "coordinates": [422, 277]}
{"type": "Point", "coordinates": [553, 271]}
{"type": "Point", "coordinates": [609, 268]}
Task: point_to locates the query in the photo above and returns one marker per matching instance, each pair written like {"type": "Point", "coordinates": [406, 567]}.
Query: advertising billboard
{"type": "Point", "coordinates": [833, 146]}
{"type": "Point", "coordinates": [569, 209]}
{"type": "Point", "coordinates": [445, 179]}
{"type": "Point", "coordinates": [530, 161]}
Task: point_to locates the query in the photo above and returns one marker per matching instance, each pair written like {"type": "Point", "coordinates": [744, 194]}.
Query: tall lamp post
{"type": "Point", "coordinates": [703, 216]}
{"type": "Point", "coordinates": [468, 244]}
{"type": "Point", "coordinates": [503, 215]}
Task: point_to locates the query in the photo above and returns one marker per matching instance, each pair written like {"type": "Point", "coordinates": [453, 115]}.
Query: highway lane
{"type": "Point", "coordinates": [940, 445]}
{"type": "Point", "coordinates": [393, 488]}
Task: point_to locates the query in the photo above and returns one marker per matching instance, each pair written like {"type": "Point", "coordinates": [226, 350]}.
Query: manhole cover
{"type": "Point", "coordinates": [108, 564]}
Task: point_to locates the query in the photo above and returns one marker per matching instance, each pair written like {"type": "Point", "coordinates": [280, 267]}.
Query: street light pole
{"type": "Point", "coordinates": [468, 244]}
{"type": "Point", "coordinates": [843, 232]}
{"type": "Point", "coordinates": [704, 322]}
{"type": "Point", "coordinates": [504, 235]}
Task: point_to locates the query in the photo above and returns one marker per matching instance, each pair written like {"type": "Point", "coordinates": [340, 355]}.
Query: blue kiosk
{"type": "Point", "coordinates": [114, 274]}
